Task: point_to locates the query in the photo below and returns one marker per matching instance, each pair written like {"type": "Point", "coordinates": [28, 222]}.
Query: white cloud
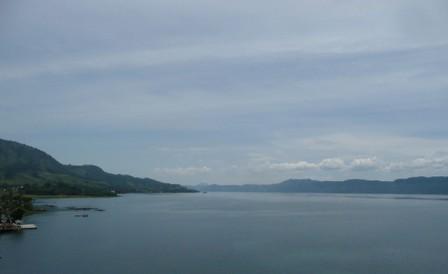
{"type": "Point", "coordinates": [332, 164]}
{"type": "Point", "coordinates": [301, 165]}
{"type": "Point", "coordinates": [419, 163]}
{"type": "Point", "coordinates": [325, 164]}
{"type": "Point", "coordinates": [364, 164]}
{"type": "Point", "coordinates": [349, 145]}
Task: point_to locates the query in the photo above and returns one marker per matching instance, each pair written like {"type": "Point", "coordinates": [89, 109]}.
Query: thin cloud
{"type": "Point", "coordinates": [142, 58]}
{"type": "Point", "coordinates": [184, 171]}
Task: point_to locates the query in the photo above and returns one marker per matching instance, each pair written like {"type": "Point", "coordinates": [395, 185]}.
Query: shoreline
{"type": "Point", "coordinates": [63, 196]}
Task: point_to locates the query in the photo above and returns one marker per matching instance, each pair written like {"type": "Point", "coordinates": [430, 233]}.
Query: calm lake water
{"type": "Point", "coordinates": [234, 233]}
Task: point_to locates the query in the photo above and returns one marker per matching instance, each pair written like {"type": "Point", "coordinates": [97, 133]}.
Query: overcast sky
{"type": "Point", "coordinates": [229, 92]}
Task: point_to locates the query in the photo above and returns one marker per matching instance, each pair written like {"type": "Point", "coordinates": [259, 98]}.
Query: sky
{"type": "Point", "coordinates": [229, 92]}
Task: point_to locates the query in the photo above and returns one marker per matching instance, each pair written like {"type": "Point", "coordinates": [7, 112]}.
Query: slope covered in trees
{"type": "Point", "coordinates": [39, 173]}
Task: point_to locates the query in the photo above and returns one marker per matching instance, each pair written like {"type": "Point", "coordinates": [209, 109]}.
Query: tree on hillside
{"type": "Point", "coordinates": [13, 205]}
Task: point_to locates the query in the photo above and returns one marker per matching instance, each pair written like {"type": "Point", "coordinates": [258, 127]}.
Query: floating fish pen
{"type": "Point", "coordinates": [16, 227]}
{"type": "Point", "coordinates": [28, 226]}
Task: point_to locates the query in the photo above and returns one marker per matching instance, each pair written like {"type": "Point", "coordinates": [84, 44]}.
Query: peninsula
{"type": "Point", "coordinates": [38, 173]}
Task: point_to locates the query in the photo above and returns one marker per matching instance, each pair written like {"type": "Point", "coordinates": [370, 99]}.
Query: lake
{"type": "Point", "coordinates": [235, 233]}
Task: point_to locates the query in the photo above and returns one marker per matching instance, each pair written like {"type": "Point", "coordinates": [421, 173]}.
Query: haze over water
{"type": "Point", "coordinates": [234, 233]}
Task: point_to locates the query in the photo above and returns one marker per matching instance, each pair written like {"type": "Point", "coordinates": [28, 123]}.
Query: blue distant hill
{"type": "Point", "coordinates": [415, 185]}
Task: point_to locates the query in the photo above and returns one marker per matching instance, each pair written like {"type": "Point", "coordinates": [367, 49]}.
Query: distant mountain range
{"type": "Point", "coordinates": [415, 185]}
{"type": "Point", "coordinates": [39, 173]}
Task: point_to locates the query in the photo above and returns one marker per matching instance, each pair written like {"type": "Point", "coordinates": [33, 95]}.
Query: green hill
{"type": "Point", "coordinates": [39, 173]}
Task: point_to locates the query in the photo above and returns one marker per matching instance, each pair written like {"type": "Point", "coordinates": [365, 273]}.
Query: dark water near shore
{"type": "Point", "coordinates": [234, 233]}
